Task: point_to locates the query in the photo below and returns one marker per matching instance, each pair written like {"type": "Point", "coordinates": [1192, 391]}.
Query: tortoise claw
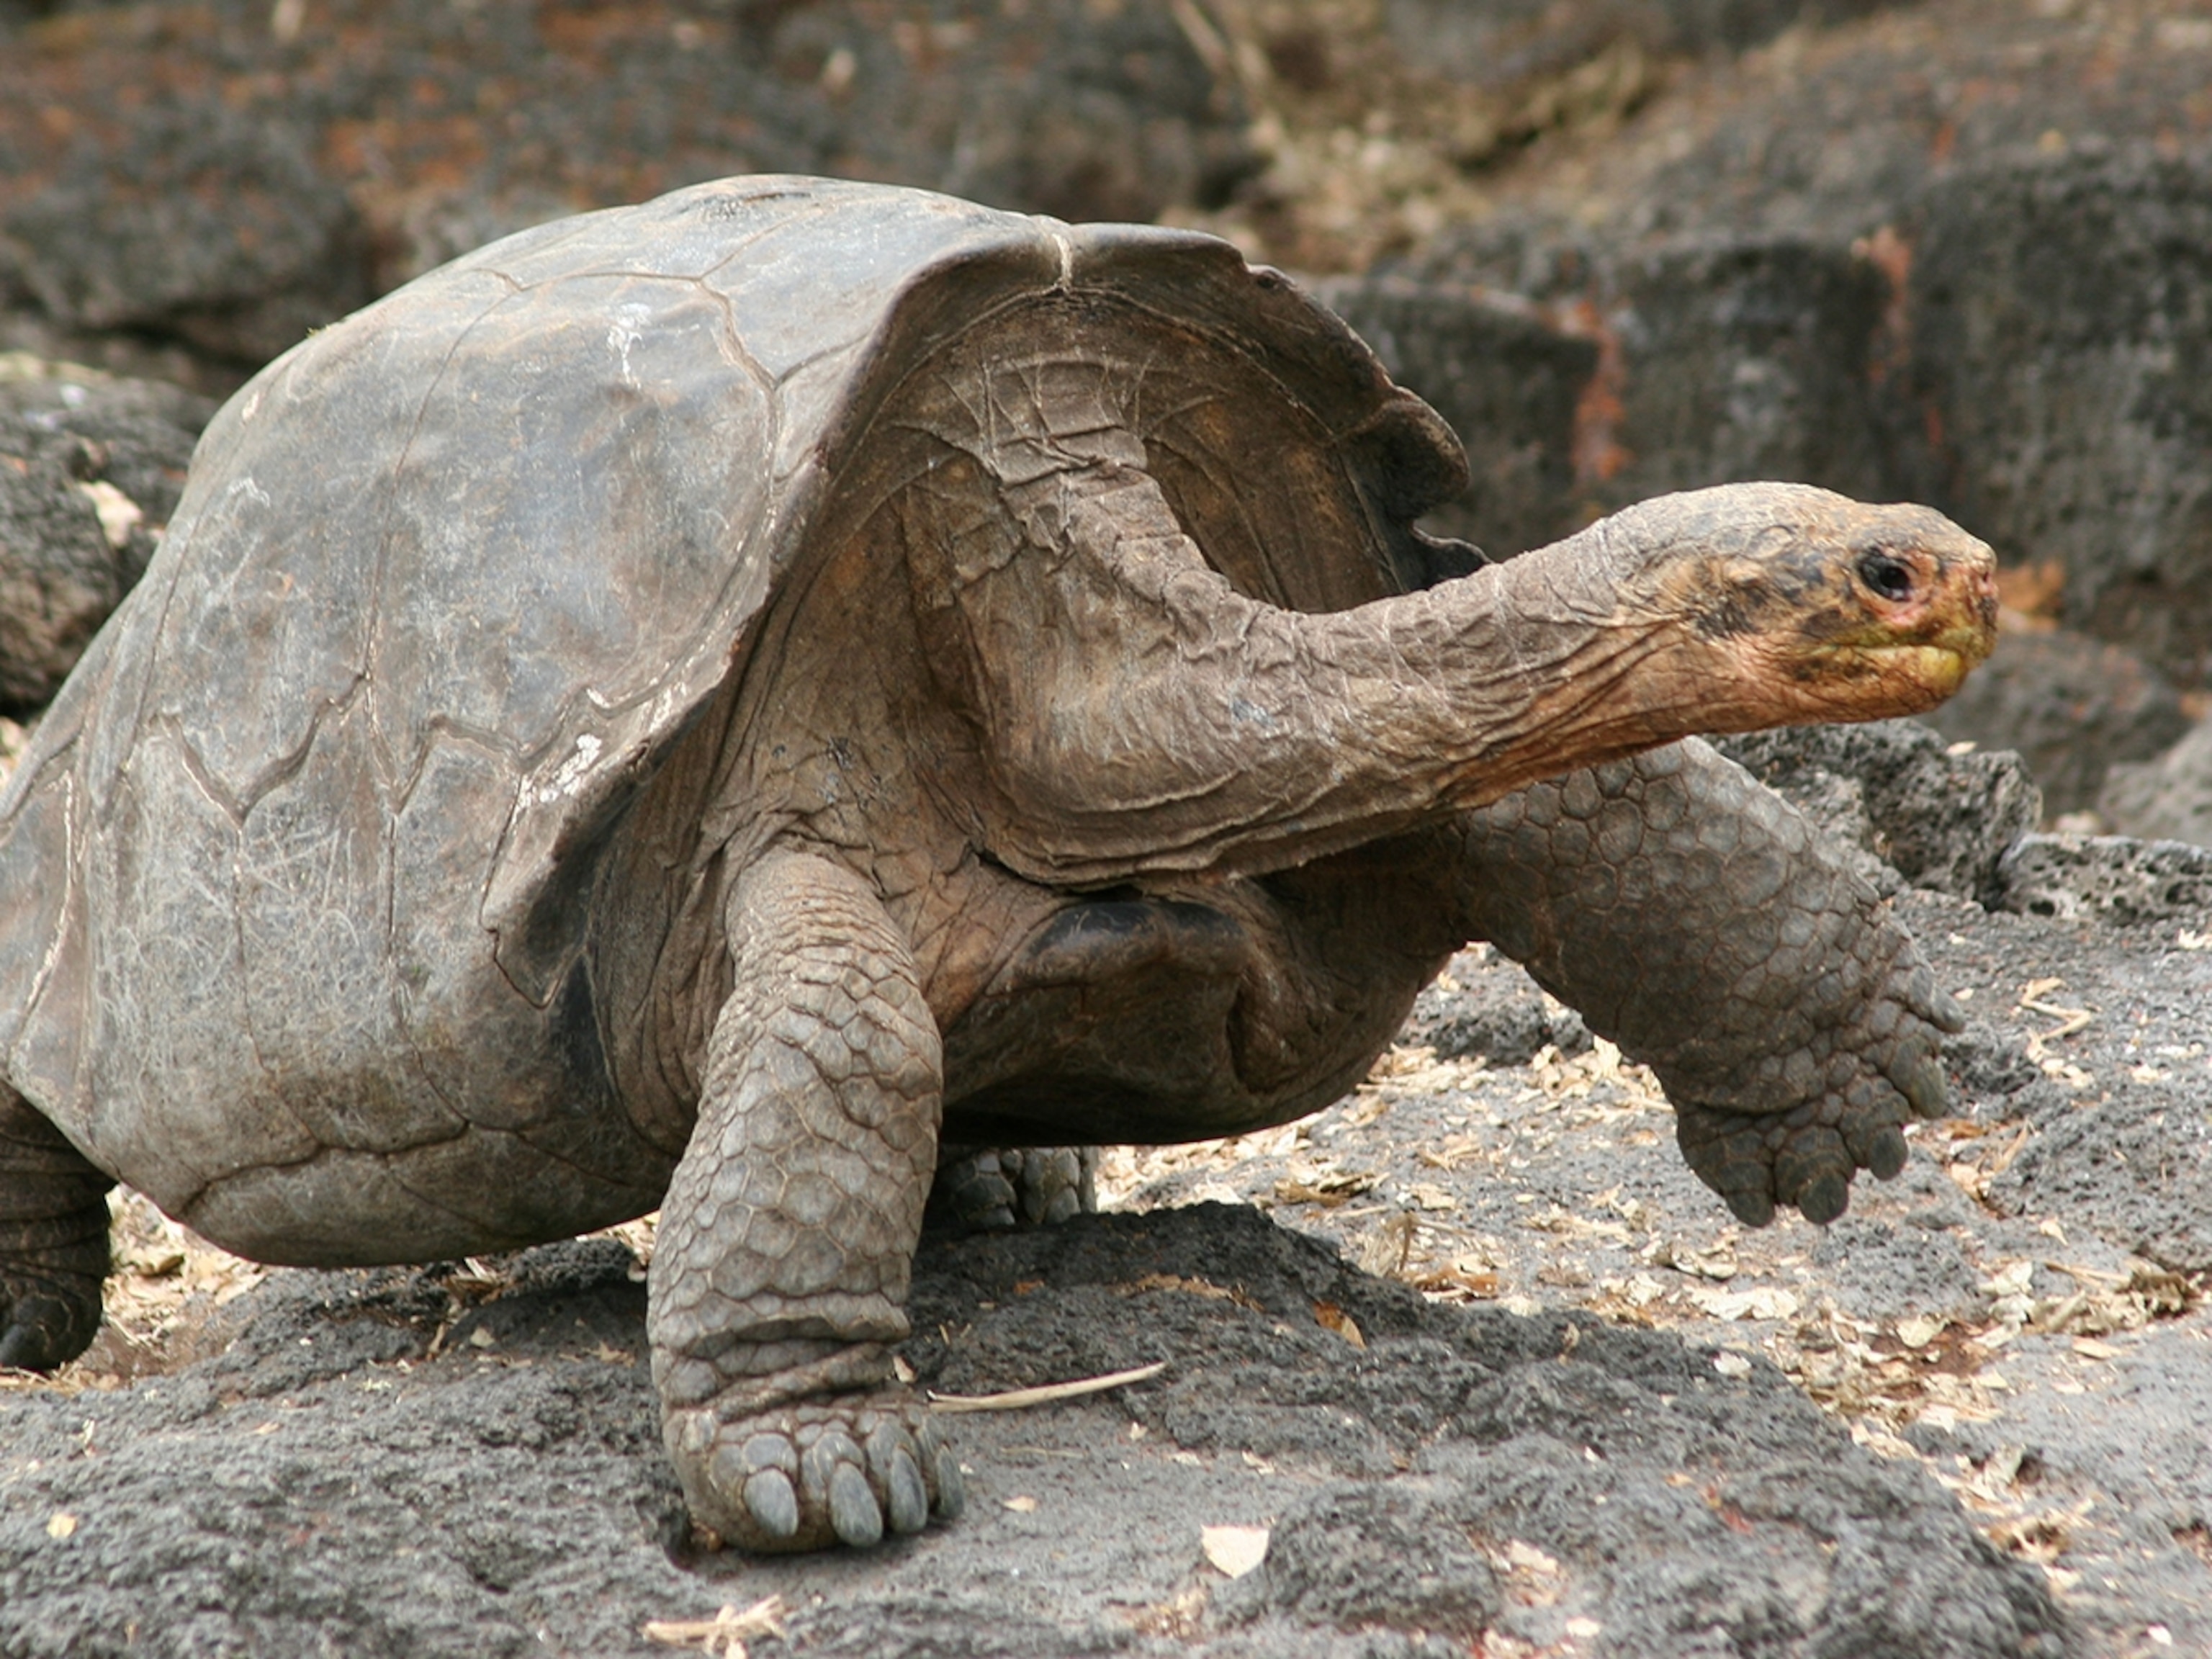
{"type": "Point", "coordinates": [1925, 1088]}
{"type": "Point", "coordinates": [40, 1330]}
{"type": "Point", "coordinates": [1887, 1154]}
{"type": "Point", "coordinates": [1804, 1157]}
{"type": "Point", "coordinates": [1753, 1209]}
{"type": "Point", "coordinates": [848, 1469]}
{"type": "Point", "coordinates": [907, 1507]}
{"type": "Point", "coordinates": [772, 1504]}
{"type": "Point", "coordinates": [893, 1471]}
{"type": "Point", "coordinates": [853, 1515]}
{"type": "Point", "coordinates": [952, 1488]}
{"type": "Point", "coordinates": [1824, 1197]}
{"type": "Point", "coordinates": [1933, 1003]}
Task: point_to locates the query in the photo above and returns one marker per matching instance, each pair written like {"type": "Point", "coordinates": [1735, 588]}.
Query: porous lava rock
{"type": "Point", "coordinates": [375, 1462]}
{"type": "Point", "coordinates": [90, 469]}
{"type": "Point", "coordinates": [2077, 877]}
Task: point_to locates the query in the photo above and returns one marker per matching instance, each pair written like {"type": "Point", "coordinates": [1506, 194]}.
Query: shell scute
{"type": "Point", "coordinates": [312, 883]}
{"type": "Point", "coordinates": [570, 519]}
{"type": "Point", "coordinates": [166, 1019]}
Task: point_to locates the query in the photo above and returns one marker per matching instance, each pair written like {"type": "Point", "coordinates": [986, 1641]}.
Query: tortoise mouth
{"type": "Point", "coordinates": [1940, 667]}
{"type": "Point", "coordinates": [1909, 676]}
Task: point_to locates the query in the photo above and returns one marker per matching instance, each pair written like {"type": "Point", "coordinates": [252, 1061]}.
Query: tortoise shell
{"type": "Point", "coordinates": [297, 865]}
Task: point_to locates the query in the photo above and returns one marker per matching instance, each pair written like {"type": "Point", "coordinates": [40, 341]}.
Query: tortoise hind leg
{"type": "Point", "coordinates": [53, 1241]}
{"type": "Point", "coordinates": [787, 1236]}
{"type": "Point", "coordinates": [994, 1189]}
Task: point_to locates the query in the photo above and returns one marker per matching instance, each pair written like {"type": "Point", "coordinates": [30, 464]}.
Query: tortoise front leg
{"type": "Point", "coordinates": [53, 1240]}
{"type": "Point", "coordinates": [1700, 920]}
{"type": "Point", "coordinates": [787, 1236]}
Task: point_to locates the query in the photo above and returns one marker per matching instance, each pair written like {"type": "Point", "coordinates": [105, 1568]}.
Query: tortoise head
{"type": "Point", "coordinates": [1822, 608]}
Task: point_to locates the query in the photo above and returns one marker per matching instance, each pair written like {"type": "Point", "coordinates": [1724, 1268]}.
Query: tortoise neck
{"type": "Point", "coordinates": [1156, 720]}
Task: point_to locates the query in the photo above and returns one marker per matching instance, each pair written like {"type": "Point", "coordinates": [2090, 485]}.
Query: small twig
{"type": "Point", "coordinates": [1015, 1399]}
{"type": "Point", "coordinates": [2011, 1152]}
{"type": "Point", "coordinates": [725, 1633]}
{"type": "Point", "coordinates": [2075, 1019]}
{"type": "Point", "coordinates": [2032, 997]}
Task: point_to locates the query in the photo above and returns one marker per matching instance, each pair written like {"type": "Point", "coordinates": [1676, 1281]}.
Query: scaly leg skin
{"type": "Point", "coordinates": [787, 1238]}
{"type": "Point", "coordinates": [53, 1241]}
{"type": "Point", "coordinates": [996, 1189]}
{"type": "Point", "coordinates": [1698, 919]}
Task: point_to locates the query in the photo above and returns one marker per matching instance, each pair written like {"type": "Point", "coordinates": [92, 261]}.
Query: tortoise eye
{"type": "Point", "coordinates": [1886, 574]}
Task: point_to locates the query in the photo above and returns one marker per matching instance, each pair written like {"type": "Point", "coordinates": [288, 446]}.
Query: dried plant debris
{"type": "Point", "coordinates": [1013, 1400]}
{"type": "Point", "coordinates": [13, 737]}
{"type": "Point", "coordinates": [725, 1633]}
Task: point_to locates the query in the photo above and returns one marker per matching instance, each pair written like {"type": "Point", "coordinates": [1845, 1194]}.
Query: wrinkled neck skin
{"type": "Point", "coordinates": [1144, 718]}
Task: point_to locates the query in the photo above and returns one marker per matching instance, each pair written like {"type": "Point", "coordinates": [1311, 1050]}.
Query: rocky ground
{"type": "Point", "coordinates": [1472, 1357]}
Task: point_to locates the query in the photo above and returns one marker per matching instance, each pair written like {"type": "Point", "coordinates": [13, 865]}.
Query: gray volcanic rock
{"type": "Point", "coordinates": [1496, 44]}
{"type": "Point", "coordinates": [2072, 878]}
{"type": "Point", "coordinates": [90, 469]}
{"type": "Point", "coordinates": [2062, 320]}
{"type": "Point", "coordinates": [309, 1489]}
{"type": "Point", "coordinates": [2168, 799]}
{"type": "Point", "coordinates": [1726, 355]}
{"type": "Point", "coordinates": [2135, 1165]}
{"type": "Point", "coordinates": [1831, 135]}
{"type": "Point", "coordinates": [269, 174]}
{"type": "Point", "coordinates": [1724, 359]}
{"type": "Point", "coordinates": [1485, 1007]}
{"type": "Point", "coordinates": [377, 1467]}
{"type": "Point", "coordinates": [1940, 819]}
{"type": "Point", "coordinates": [1748, 358]}
{"type": "Point", "coordinates": [2072, 707]}
{"type": "Point", "coordinates": [200, 222]}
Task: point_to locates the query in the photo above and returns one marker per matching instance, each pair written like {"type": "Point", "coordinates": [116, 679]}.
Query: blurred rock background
{"type": "Point", "coordinates": [1959, 251]}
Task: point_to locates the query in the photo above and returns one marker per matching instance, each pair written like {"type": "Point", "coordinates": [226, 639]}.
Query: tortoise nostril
{"type": "Point", "coordinates": [1886, 574]}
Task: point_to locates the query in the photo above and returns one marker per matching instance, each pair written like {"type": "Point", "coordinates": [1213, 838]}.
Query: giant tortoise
{"type": "Point", "coordinates": [700, 705]}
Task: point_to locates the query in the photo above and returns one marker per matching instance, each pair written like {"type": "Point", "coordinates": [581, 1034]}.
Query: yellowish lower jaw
{"type": "Point", "coordinates": [1880, 681]}
{"type": "Point", "coordinates": [1934, 671]}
